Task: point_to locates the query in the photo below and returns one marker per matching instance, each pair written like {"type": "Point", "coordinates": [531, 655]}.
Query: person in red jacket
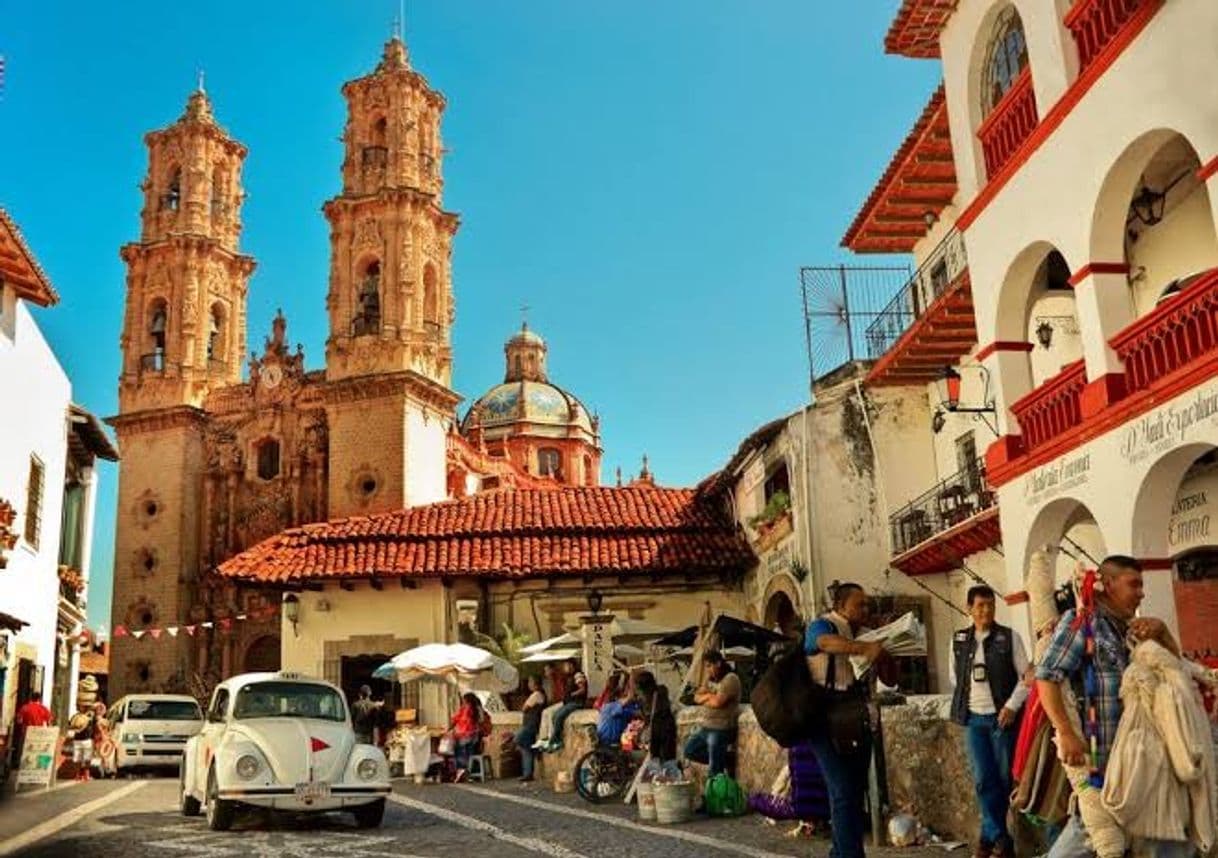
{"type": "Point", "coordinates": [470, 726]}
{"type": "Point", "coordinates": [33, 713]}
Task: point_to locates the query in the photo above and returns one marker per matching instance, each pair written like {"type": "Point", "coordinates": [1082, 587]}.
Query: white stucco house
{"type": "Point", "coordinates": [48, 447]}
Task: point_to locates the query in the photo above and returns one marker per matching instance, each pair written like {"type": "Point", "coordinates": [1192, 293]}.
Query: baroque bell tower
{"type": "Point", "coordinates": [183, 337]}
{"type": "Point", "coordinates": [390, 302]}
{"type": "Point", "coordinates": [184, 326]}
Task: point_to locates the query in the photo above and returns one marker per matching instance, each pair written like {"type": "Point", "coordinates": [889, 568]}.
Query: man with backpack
{"type": "Point", "coordinates": [843, 746]}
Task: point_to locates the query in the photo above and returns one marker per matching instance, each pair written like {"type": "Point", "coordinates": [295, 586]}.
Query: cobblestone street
{"type": "Point", "coordinates": [116, 818]}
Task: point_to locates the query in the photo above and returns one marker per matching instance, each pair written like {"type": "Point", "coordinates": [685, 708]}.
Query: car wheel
{"type": "Point", "coordinates": [369, 815]}
{"type": "Point", "coordinates": [219, 811]}
{"type": "Point", "coordinates": [188, 803]}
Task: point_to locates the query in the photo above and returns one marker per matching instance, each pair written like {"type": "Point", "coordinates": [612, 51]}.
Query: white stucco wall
{"type": "Point", "coordinates": [33, 384]}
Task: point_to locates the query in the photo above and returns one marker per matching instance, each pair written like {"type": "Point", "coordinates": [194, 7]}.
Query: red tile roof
{"type": "Point", "coordinates": [915, 30]}
{"type": "Point", "coordinates": [20, 269]}
{"type": "Point", "coordinates": [921, 178]}
{"type": "Point", "coordinates": [515, 533]}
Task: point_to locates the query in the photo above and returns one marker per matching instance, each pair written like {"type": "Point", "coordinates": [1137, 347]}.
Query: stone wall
{"type": "Point", "coordinates": [927, 770]}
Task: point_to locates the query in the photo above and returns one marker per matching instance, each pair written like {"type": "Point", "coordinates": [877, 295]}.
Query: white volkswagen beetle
{"type": "Point", "coordinates": [281, 741]}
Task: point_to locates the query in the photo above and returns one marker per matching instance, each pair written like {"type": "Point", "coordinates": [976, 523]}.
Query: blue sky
{"type": "Point", "coordinates": [647, 176]}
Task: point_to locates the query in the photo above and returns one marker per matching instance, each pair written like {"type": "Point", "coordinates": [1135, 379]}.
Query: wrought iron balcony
{"type": "Point", "coordinates": [375, 156]}
{"type": "Point", "coordinates": [938, 272]}
{"type": "Point", "coordinates": [365, 325]}
{"type": "Point", "coordinates": [951, 502]}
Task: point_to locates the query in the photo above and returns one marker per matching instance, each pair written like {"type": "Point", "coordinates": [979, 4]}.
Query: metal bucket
{"type": "Point", "coordinates": [646, 797]}
{"type": "Point", "coordinates": [674, 803]}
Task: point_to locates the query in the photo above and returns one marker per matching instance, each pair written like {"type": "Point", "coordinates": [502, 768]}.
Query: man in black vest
{"type": "Point", "coordinates": [988, 662]}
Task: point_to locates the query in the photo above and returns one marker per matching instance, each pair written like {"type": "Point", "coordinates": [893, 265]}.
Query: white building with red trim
{"type": "Point", "coordinates": [1082, 146]}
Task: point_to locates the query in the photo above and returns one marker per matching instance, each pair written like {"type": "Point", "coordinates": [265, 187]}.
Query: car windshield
{"type": "Point", "coordinates": [289, 700]}
{"type": "Point", "coordinates": [164, 710]}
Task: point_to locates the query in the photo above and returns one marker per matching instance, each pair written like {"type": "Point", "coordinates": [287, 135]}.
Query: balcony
{"type": "Point", "coordinates": [1009, 124]}
{"type": "Point", "coordinates": [956, 518]}
{"type": "Point", "coordinates": [375, 156]}
{"type": "Point", "coordinates": [929, 323]}
{"type": "Point", "coordinates": [1096, 24]}
{"type": "Point", "coordinates": [1175, 340]}
{"type": "Point", "coordinates": [1052, 409]}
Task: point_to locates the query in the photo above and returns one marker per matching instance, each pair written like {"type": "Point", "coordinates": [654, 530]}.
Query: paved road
{"type": "Point", "coordinates": [470, 821]}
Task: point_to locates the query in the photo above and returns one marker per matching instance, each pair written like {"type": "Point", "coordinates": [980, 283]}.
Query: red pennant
{"type": "Point", "coordinates": [120, 632]}
{"type": "Point", "coordinates": [190, 630]}
{"type": "Point", "coordinates": [226, 624]}
{"type": "Point", "coordinates": [316, 744]}
{"type": "Point", "coordinates": [156, 633]}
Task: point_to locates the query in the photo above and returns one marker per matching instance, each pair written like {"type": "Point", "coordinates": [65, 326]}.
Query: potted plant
{"type": "Point", "coordinates": [774, 521]}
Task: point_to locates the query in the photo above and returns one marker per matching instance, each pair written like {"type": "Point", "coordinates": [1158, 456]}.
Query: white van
{"type": "Point", "coordinates": [152, 729]}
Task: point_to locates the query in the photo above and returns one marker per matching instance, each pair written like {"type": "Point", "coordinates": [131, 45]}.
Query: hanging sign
{"type": "Point", "coordinates": [38, 756]}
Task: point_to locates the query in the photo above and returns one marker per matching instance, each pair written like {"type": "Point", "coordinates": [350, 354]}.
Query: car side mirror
{"type": "Point", "coordinates": [214, 718]}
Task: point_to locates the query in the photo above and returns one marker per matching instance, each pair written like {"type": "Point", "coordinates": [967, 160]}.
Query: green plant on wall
{"type": "Point", "coordinates": [775, 508]}
{"type": "Point", "coordinates": [509, 646]}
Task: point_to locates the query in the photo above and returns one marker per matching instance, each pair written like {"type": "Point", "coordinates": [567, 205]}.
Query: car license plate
{"type": "Point", "coordinates": [312, 791]}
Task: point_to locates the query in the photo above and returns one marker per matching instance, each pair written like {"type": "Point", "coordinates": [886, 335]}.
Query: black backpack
{"type": "Point", "coordinates": [789, 706]}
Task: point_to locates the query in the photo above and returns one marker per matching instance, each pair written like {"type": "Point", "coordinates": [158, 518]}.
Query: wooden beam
{"type": "Point", "coordinates": [376, 584]}
{"type": "Point", "coordinates": [346, 585]}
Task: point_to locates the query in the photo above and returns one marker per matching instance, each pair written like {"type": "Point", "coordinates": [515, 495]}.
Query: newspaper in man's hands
{"type": "Point", "coordinates": [902, 637]}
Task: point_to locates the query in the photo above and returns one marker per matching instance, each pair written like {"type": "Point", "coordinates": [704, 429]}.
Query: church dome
{"type": "Point", "coordinates": [535, 402]}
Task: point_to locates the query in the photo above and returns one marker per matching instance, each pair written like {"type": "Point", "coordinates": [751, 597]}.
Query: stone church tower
{"type": "Point", "coordinates": [390, 304]}
{"type": "Point", "coordinates": [183, 335]}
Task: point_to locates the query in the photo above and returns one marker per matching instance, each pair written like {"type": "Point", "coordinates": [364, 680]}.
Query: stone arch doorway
{"type": "Point", "coordinates": [263, 655]}
{"type": "Point", "coordinates": [781, 606]}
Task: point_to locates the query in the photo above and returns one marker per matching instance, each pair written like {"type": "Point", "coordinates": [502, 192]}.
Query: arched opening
{"type": "Point", "coordinates": [171, 199]}
{"type": "Point", "coordinates": [219, 192]}
{"type": "Point", "coordinates": [156, 330]}
{"type": "Point", "coordinates": [1160, 215]}
{"type": "Point", "coordinates": [549, 462]}
{"type": "Point", "coordinates": [431, 298]}
{"type": "Point", "coordinates": [267, 456]}
{"type": "Point", "coordinates": [1052, 319]}
{"type": "Point", "coordinates": [215, 336]}
{"type": "Point", "coordinates": [368, 314]}
{"type": "Point", "coordinates": [1071, 534]}
{"type": "Point", "coordinates": [263, 655]}
{"type": "Point", "coordinates": [376, 152]}
{"type": "Point", "coordinates": [1006, 58]}
{"type": "Point", "coordinates": [780, 614]}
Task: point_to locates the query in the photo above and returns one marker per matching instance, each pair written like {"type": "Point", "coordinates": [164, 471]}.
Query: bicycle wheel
{"type": "Point", "coordinates": [602, 775]}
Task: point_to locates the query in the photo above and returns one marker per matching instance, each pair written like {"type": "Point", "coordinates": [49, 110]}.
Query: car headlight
{"type": "Point", "coordinates": [247, 766]}
{"type": "Point", "coordinates": [367, 769]}
{"type": "Point", "coordinates": [131, 738]}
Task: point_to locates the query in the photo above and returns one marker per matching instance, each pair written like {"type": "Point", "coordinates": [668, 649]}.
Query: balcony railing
{"type": "Point", "coordinates": [1174, 336]}
{"type": "Point", "coordinates": [953, 501]}
{"type": "Point", "coordinates": [1096, 23]}
{"type": "Point", "coordinates": [1053, 408]}
{"type": "Point", "coordinates": [1009, 124]}
{"type": "Point", "coordinates": [939, 270]}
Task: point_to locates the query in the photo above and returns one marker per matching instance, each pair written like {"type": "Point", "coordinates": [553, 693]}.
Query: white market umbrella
{"type": "Point", "coordinates": [459, 664]}
{"type": "Point", "coordinates": [562, 640]}
{"type": "Point", "coordinates": [552, 655]}
{"type": "Point", "coordinates": [622, 630]}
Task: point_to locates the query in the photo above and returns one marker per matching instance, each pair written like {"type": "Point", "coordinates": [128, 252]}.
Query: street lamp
{"type": "Point", "coordinates": [291, 611]}
{"type": "Point", "coordinates": [1148, 205]}
{"type": "Point", "coordinates": [595, 601]}
{"type": "Point", "coordinates": [949, 397]}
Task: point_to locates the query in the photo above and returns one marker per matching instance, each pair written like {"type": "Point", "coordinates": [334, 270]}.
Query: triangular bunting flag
{"type": "Point", "coordinates": [241, 616]}
{"type": "Point", "coordinates": [190, 630]}
{"type": "Point", "coordinates": [156, 633]}
{"type": "Point", "coordinates": [208, 624]}
{"type": "Point", "coordinates": [120, 632]}
{"type": "Point", "coordinates": [139, 634]}
{"type": "Point", "coordinates": [173, 631]}
{"type": "Point", "coordinates": [226, 624]}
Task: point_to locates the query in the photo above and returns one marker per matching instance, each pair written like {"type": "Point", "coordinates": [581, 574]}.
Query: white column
{"type": "Point", "coordinates": [1104, 308]}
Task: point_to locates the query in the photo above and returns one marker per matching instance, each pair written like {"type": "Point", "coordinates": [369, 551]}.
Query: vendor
{"type": "Point", "coordinates": [470, 726]}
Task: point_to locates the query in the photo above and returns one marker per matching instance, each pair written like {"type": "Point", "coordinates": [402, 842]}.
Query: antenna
{"type": "Point", "coordinates": [399, 22]}
{"type": "Point", "coordinates": [199, 75]}
{"type": "Point", "coordinates": [524, 315]}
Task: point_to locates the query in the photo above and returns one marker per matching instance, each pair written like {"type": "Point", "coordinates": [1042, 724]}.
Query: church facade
{"type": "Point", "coordinates": [217, 459]}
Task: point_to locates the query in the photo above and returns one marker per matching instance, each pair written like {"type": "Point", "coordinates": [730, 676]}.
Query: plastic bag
{"type": "Point", "coordinates": [448, 745]}
{"type": "Point", "coordinates": [724, 797]}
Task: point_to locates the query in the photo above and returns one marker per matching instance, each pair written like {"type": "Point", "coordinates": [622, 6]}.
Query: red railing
{"type": "Point", "coordinates": [1173, 336]}
{"type": "Point", "coordinates": [1009, 123]}
{"type": "Point", "coordinates": [1052, 408]}
{"type": "Point", "coordinates": [1095, 23]}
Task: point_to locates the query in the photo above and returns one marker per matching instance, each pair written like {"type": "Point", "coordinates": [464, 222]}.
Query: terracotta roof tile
{"type": "Point", "coordinates": [20, 268]}
{"type": "Point", "coordinates": [915, 30]}
{"type": "Point", "coordinates": [513, 533]}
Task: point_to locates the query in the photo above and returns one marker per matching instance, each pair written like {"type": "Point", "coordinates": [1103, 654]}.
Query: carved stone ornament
{"type": "Point", "coordinates": [215, 280]}
{"type": "Point", "coordinates": [376, 98]}
{"type": "Point", "coordinates": [367, 234]}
